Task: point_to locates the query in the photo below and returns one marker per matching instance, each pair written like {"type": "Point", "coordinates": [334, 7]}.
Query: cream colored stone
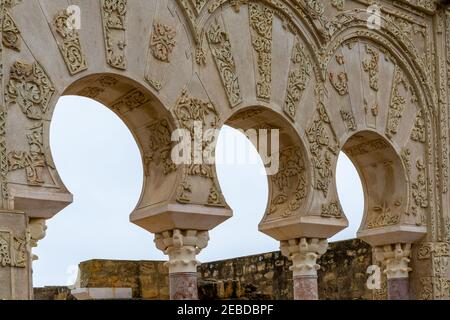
{"type": "Point", "coordinates": [328, 83]}
{"type": "Point", "coordinates": [304, 253]}
{"type": "Point", "coordinates": [395, 258]}
{"type": "Point", "coordinates": [182, 248]}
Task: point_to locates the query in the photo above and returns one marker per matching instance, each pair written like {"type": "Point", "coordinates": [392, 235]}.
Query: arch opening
{"type": "Point", "coordinates": [351, 196]}
{"type": "Point", "coordinates": [384, 182]}
{"type": "Point", "coordinates": [100, 162]}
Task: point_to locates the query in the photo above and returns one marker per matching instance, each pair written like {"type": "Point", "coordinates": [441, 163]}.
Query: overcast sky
{"type": "Point", "coordinates": [100, 163]}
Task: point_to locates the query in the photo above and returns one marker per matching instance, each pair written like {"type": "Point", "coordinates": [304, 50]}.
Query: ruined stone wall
{"type": "Point", "coordinates": [263, 276]}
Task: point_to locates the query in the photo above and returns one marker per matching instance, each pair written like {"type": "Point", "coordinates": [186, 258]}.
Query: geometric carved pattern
{"type": "Point", "coordinates": [69, 42]}
{"type": "Point", "coordinates": [114, 14]}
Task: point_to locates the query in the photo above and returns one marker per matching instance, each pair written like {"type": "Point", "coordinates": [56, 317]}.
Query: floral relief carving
{"type": "Point", "coordinates": [30, 88]}
{"type": "Point", "coordinates": [406, 158]}
{"type": "Point", "coordinates": [160, 146]}
{"type": "Point", "coordinates": [419, 187]}
{"type": "Point", "coordinates": [91, 92]}
{"type": "Point", "coordinates": [397, 104]}
{"type": "Point", "coordinates": [198, 5]}
{"type": "Point", "coordinates": [383, 215]}
{"type": "Point", "coordinates": [223, 56]}
{"type": "Point", "coordinates": [371, 67]}
{"type": "Point", "coordinates": [261, 20]}
{"type": "Point", "coordinates": [190, 112]}
{"type": "Point", "coordinates": [349, 120]}
{"type": "Point", "coordinates": [288, 189]}
{"type": "Point", "coordinates": [340, 82]}
{"type": "Point", "coordinates": [332, 210]}
{"type": "Point", "coordinates": [114, 14]}
{"type": "Point", "coordinates": [136, 98]}
{"type": "Point", "coordinates": [323, 145]}
{"type": "Point", "coordinates": [11, 33]}
{"type": "Point", "coordinates": [298, 78]}
{"type": "Point", "coordinates": [33, 161]}
{"type": "Point", "coordinates": [338, 4]}
{"type": "Point", "coordinates": [418, 132]}
{"type": "Point", "coordinates": [367, 147]}
{"type": "Point", "coordinates": [69, 43]}
{"type": "Point", "coordinates": [13, 250]}
{"type": "Point", "coordinates": [163, 41]}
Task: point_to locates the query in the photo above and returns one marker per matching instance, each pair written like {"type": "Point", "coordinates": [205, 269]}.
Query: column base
{"type": "Point", "coordinates": [183, 286]}
{"type": "Point", "coordinates": [306, 288]}
{"type": "Point", "coordinates": [398, 288]}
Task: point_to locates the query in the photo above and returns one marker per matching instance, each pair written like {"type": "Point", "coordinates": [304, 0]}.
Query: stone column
{"type": "Point", "coordinates": [395, 259]}
{"type": "Point", "coordinates": [182, 247]}
{"type": "Point", "coordinates": [304, 253]}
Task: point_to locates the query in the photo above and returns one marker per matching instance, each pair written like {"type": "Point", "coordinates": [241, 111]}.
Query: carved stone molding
{"type": "Point", "coordinates": [182, 247]}
{"type": "Point", "coordinates": [261, 20]}
{"type": "Point", "coordinates": [69, 42]}
{"type": "Point", "coordinates": [221, 50]}
{"type": "Point", "coordinates": [114, 16]}
{"type": "Point", "coordinates": [304, 253]}
{"type": "Point", "coordinates": [395, 258]}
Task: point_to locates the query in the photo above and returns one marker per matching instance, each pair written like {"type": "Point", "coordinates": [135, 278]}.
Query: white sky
{"type": "Point", "coordinates": [99, 162]}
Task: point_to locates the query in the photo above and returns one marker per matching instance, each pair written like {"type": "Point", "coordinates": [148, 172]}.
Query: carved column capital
{"type": "Point", "coordinates": [395, 259]}
{"type": "Point", "coordinates": [182, 247]}
{"type": "Point", "coordinates": [304, 253]}
{"type": "Point", "coordinates": [36, 231]}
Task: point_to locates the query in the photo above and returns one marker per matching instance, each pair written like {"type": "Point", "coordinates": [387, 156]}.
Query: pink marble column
{"type": "Point", "coordinates": [304, 252]}
{"type": "Point", "coordinates": [398, 288]}
{"type": "Point", "coordinates": [305, 288]}
{"type": "Point", "coordinates": [183, 286]}
{"type": "Point", "coordinates": [395, 259]}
